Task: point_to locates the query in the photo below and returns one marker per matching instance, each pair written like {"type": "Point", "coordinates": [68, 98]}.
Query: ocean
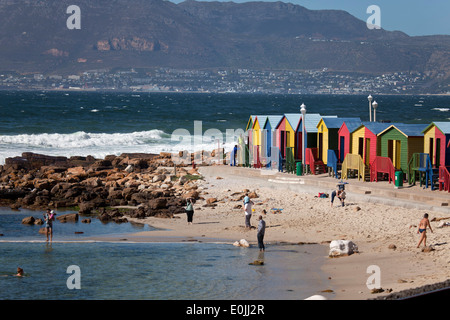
{"type": "Point", "coordinates": [100, 124]}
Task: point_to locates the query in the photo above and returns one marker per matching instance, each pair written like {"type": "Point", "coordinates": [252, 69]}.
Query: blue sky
{"type": "Point", "coordinates": [414, 17]}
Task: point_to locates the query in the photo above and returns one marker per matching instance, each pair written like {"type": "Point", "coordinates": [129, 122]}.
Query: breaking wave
{"type": "Point", "coordinates": [97, 145]}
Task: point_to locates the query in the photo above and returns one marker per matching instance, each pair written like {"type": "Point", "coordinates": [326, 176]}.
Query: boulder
{"type": "Point", "coordinates": [211, 200]}
{"type": "Point", "coordinates": [159, 177]}
{"type": "Point", "coordinates": [252, 195]}
{"type": "Point", "coordinates": [342, 248]}
{"type": "Point", "coordinates": [28, 220]}
{"type": "Point", "coordinates": [70, 217]}
{"type": "Point", "coordinates": [241, 243]}
{"type": "Point", "coordinates": [159, 203]}
{"type": "Point", "coordinates": [191, 194]}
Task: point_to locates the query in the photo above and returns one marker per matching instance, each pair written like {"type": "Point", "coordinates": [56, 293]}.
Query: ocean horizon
{"type": "Point", "coordinates": [107, 123]}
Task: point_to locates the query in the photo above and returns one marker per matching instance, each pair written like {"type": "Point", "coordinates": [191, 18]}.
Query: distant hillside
{"type": "Point", "coordinates": [259, 35]}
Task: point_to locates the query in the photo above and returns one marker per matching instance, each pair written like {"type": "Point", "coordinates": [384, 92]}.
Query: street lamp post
{"type": "Point", "coordinates": [370, 107]}
{"type": "Point", "coordinates": [303, 112]}
{"type": "Point", "coordinates": [375, 106]}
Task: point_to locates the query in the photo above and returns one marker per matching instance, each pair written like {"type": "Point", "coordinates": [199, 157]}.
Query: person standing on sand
{"type": "Point", "coordinates": [248, 211]}
{"type": "Point", "coordinates": [189, 210]}
{"type": "Point", "coordinates": [424, 223]}
{"type": "Point", "coordinates": [260, 233]}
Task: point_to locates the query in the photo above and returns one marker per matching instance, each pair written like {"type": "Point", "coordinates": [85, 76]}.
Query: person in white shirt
{"type": "Point", "coordinates": [248, 211]}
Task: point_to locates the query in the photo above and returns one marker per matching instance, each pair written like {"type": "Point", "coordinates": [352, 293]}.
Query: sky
{"type": "Point", "coordinates": [414, 17]}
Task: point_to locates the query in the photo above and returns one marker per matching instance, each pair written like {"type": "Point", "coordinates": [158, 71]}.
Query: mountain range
{"type": "Point", "coordinates": [34, 38]}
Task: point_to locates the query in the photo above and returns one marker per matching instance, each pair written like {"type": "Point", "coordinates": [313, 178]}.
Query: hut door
{"type": "Point", "coordinates": [283, 143]}
{"type": "Point", "coordinates": [342, 149]}
{"type": "Point", "coordinates": [367, 160]}
{"type": "Point", "coordinates": [432, 151]}
{"type": "Point", "coordinates": [361, 147]}
{"type": "Point", "coordinates": [391, 150]}
{"type": "Point", "coordinates": [438, 153]}
{"type": "Point", "coordinates": [320, 145]}
{"type": "Point", "coordinates": [398, 148]}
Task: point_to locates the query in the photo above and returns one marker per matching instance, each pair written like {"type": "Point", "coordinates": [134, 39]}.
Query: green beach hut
{"type": "Point", "coordinates": [400, 141]}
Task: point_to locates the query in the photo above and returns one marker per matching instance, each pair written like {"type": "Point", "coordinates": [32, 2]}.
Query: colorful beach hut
{"type": "Point", "coordinates": [365, 140]}
{"type": "Point", "coordinates": [286, 132]}
{"type": "Point", "coordinates": [270, 132]}
{"type": "Point", "coordinates": [436, 139]}
{"type": "Point", "coordinates": [328, 135]}
{"type": "Point", "coordinates": [311, 121]}
{"type": "Point", "coordinates": [258, 123]}
{"type": "Point", "coordinates": [400, 141]}
{"type": "Point", "coordinates": [345, 137]}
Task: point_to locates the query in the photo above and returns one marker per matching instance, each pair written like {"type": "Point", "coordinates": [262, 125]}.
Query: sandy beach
{"type": "Point", "coordinates": [375, 227]}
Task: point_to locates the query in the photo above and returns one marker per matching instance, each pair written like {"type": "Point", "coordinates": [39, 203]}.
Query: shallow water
{"type": "Point", "coordinates": [165, 271]}
{"type": "Point", "coordinates": [12, 229]}
{"type": "Point", "coordinates": [157, 271]}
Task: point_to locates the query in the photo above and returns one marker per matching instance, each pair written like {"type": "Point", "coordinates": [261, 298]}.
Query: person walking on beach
{"type": "Point", "coordinates": [424, 223]}
{"type": "Point", "coordinates": [189, 210]}
{"type": "Point", "coordinates": [248, 211]}
{"type": "Point", "coordinates": [260, 233]}
{"type": "Point", "coordinates": [48, 219]}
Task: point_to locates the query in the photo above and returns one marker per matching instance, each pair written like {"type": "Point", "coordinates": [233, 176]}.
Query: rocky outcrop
{"type": "Point", "coordinates": [39, 182]}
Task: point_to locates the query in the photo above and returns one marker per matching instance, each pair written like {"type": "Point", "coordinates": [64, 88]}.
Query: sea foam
{"type": "Point", "coordinates": [99, 145]}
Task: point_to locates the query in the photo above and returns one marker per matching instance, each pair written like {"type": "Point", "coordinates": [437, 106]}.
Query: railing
{"type": "Point", "coordinates": [444, 179]}
{"type": "Point", "coordinates": [256, 159]}
{"type": "Point", "coordinates": [419, 162]}
{"type": "Point", "coordinates": [353, 162]}
{"type": "Point", "coordinates": [332, 161]}
{"type": "Point", "coordinates": [382, 165]}
{"type": "Point", "coordinates": [290, 161]}
{"type": "Point", "coordinates": [310, 159]}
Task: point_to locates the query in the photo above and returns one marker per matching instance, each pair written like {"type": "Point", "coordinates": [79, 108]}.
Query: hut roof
{"type": "Point", "coordinates": [312, 120]}
{"type": "Point", "coordinates": [443, 126]}
{"type": "Point", "coordinates": [273, 121]}
{"type": "Point", "coordinates": [409, 130]}
{"type": "Point", "coordinates": [336, 123]}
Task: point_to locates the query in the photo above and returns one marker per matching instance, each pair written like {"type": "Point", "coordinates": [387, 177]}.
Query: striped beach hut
{"type": "Point", "coordinates": [270, 132]}
{"type": "Point", "coordinates": [328, 135]}
{"type": "Point", "coordinates": [345, 137]}
{"type": "Point", "coordinates": [311, 121]}
{"type": "Point", "coordinates": [286, 132]}
{"type": "Point", "coordinates": [436, 139]}
{"type": "Point", "coordinates": [400, 141]}
{"type": "Point", "coordinates": [258, 123]}
{"type": "Point", "coordinates": [365, 140]}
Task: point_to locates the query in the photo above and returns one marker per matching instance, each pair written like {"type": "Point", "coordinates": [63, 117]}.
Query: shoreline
{"type": "Point", "coordinates": [402, 268]}
{"type": "Point", "coordinates": [375, 217]}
